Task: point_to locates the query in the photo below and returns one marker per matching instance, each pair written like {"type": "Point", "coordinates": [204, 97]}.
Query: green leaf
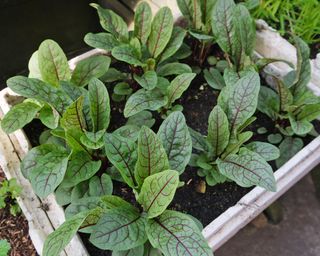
{"type": "Point", "coordinates": [288, 148]}
{"type": "Point", "coordinates": [148, 80]}
{"type": "Point", "coordinates": [93, 140]}
{"type": "Point", "coordinates": [81, 205]}
{"type": "Point", "coordinates": [63, 195]}
{"type": "Point", "coordinates": [285, 96]}
{"type": "Point", "coordinates": [142, 22]}
{"type": "Point", "coordinates": [214, 78]}
{"type": "Point", "coordinates": [111, 202]}
{"type": "Point", "coordinates": [127, 53]}
{"type": "Point", "coordinates": [73, 117]}
{"type": "Point", "coordinates": [4, 247]}
{"type": "Point", "coordinates": [161, 30]}
{"type": "Point", "coordinates": [235, 143]}
{"type": "Point", "coordinates": [243, 99]}
{"type": "Point", "coordinates": [300, 127]}
{"type": "Point", "coordinates": [122, 154]}
{"type": "Point", "coordinates": [33, 66]}
{"type": "Point", "coordinates": [79, 191]}
{"type": "Point", "coordinates": [57, 240]}
{"type": "Point", "coordinates": [218, 130]}
{"type": "Point", "coordinates": [49, 117]}
{"type": "Point", "coordinates": [175, 68]}
{"type": "Point", "coordinates": [201, 36]}
{"type": "Point", "coordinates": [73, 139]}
{"type": "Point", "coordinates": [112, 22]}
{"type": "Point", "coordinates": [53, 63]}
{"type": "Point", "coordinates": [128, 131]}
{"type": "Point", "coordinates": [152, 157]}
{"type": "Point", "coordinates": [309, 112]}
{"type": "Point", "coordinates": [73, 91]}
{"type": "Point", "coordinates": [103, 41]}
{"type": "Point", "coordinates": [99, 105]}
{"type": "Point", "coordinates": [158, 191]}
{"type": "Point", "coordinates": [191, 9]}
{"type": "Point", "coordinates": [178, 35]}
{"type": "Point", "coordinates": [45, 166]}
{"type": "Point", "coordinates": [86, 69]}
{"type": "Point", "coordinates": [178, 86]}
{"type": "Point", "coordinates": [19, 115]}
{"type": "Point", "coordinates": [176, 234]}
{"type": "Point", "coordinates": [122, 89]}
{"type": "Point", "coordinates": [100, 186]}
{"type": "Point", "coordinates": [36, 89]}
{"type": "Point", "coordinates": [268, 102]}
{"type": "Point", "coordinates": [248, 169]}
{"type": "Point", "coordinates": [223, 24]}
{"type": "Point", "coordinates": [142, 118]}
{"type": "Point", "coordinates": [119, 229]}
{"type": "Point", "coordinates": [275, 138]}
{"type": "Point", "coordinates": [303, 72]}
{"type": "Point", "coordinates": [176, 141]}
{"type": "Point", "coordinates": [199, 142]}
{"type": "Point", "coordinates": [265, 150]}
{"type": "Point", "coordinates": [137, 251]}
{"type": "Point", "coordinates": [144, 100]}
{"type": "Point", "coordinates": [80, 168]}
{"type": "Point", "coordinates": [113, 75]}
{"type": "Point", "coordinates": [263, 62]}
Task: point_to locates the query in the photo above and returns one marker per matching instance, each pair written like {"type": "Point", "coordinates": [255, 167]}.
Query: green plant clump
{"type": "Point", "coordinates": [9, 191]}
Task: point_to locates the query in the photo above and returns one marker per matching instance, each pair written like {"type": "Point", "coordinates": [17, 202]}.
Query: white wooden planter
{"type": "Point", "coordinates": [14, 147]}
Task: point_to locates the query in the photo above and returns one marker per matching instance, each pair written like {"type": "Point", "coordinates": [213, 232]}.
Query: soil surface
{"type": "Point", "coordinates": [15, 231]}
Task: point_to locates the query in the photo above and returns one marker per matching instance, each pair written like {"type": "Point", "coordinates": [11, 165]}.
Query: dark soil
{"type": "Point", "coordinates": [314, 50]}
{"type": "Point", "coordinates": [14, 229]}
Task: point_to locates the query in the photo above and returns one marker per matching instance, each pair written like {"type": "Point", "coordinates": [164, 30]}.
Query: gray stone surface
{"type": "Point", "coordinates": [297, 235]}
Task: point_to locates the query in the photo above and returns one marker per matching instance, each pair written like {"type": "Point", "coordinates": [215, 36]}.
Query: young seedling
{"type": "Point", "coordinates": [151, 168]}
{"type": "Point", "coordinates": [9, 192]}
{"type": "Point", "coordinates": [151, 50]}
{"type": "Point", "coordinates": [222, 154]}
{"type": "Point", "coordinates": [290, 104]}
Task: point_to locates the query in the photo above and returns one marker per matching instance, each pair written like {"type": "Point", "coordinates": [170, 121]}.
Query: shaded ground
{"type": "Point", "coordinates": [15, 231]}
{"type": "Point", "coordinates": [297, 234]}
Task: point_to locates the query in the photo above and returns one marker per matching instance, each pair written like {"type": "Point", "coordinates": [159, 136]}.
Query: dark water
{"type": "Point", "coordinates": [24, 24]}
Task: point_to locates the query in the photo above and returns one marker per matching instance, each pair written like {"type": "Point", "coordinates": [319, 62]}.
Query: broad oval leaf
{"type": "Point", "coordinates": [309, 112]}
{"type": "Point", "coordinates": [95, 66]}
{"type": "Point", "coordinates": [81, 205]}
{"type": "Point", "coordinates": [80, 168]}
{"type": "Point", "coordinates": [218, 130]}
{"type": "Point", "coordinates": [222, 24]}
{"type": "Point", "coordinates": [36, 89]}
{"type": "Point", "coordinates": [148, 80]}
{"type": "Point", "coordinates": [161, 30]}
{"type": "Point", "coordinates": [178, 35]}
{"type": "Point", "coordinates": [199, 142]}
{"type": "Point", "coordinates": [178, 86]}
{"type": "Point", "coordinates": [49, 117]}
{"type": "Point", "coordinates": [119, 229]}
{"type": "Point", "coordinates": [33, 66]}
{"type": "Point", "coordinates": [288, 148]}
{"type": "Point", "coordinates": [152, 157]}
{"type": "Point", "coordinates": [93, 140]}
{"type": "Point", "coordinates": [174, 68]}
{"type": "Point", "coordinates": [214, 78]}
{"type": "Point", "coordinates": [300, 127]}
{"type": "Point", "coordinates": [112, 22]}
{"type": "Point", "coordinates": [128, 131]}
{"type": "Point", "coordinates": [176, 234]}
{"type": "Point", "coordinates": [57, 240]}
{"type": "Point", "coordinates": [191, 9]}
{"type": "Point", "coordinates": [122, 153]}
{"type": "Point", "coordinates": [99, 105]}
{"type": "Point", "coordinates": [142, 118]}
{"type": "Point", "coordinates": [127, 53]}
{"type": "Point", "coordinates": [158, 191]}
{"type": "Point", "coordinates": [176, 141]}
{"type": "Point", "coordinates": [73, 117]}
{"type": "Point", "coordinates": [19, 115]}
{"type": "Point", "coordinates": [103, 41]}
{"type": "Point", "coordinates": [100, 186]}
{"type": "Point", "coordinates": [144, 100]}
{"type": "Point", "coordinates": [248, 169]}
{"type": "Point", "coordinates": [268, 151]}
{"type": "Point", "coordinates": [243, 99]}
{"type": "Point", "coordinates": [53, 63]}
{"type": "Point", "coordinates": [45, 167]}
{"type": "Point", "coordinates": [142, 22]}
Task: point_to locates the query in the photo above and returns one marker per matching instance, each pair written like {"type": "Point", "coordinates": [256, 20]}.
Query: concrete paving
{"type": "Point", "coordinates": [297, 235]}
